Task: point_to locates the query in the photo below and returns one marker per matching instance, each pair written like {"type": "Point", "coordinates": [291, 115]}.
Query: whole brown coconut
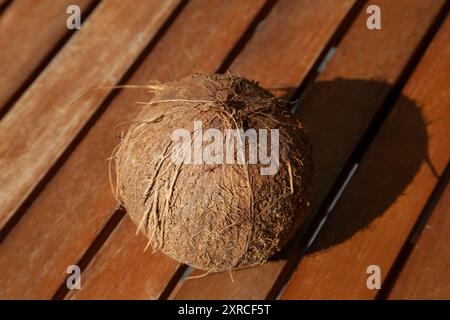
{"type": "Point", "coordinates": [219, 216]}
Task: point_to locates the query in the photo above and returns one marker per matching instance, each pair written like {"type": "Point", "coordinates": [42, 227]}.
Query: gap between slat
{"type": "Point", "coordinates": [4, 6]}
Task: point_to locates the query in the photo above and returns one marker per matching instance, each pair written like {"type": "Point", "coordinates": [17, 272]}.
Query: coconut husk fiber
{"type": "Point", "coordinates": [215, 217]}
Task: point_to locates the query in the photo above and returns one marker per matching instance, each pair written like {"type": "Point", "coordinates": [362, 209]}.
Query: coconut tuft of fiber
{"type": "Point", "coordinates": [214, 215]}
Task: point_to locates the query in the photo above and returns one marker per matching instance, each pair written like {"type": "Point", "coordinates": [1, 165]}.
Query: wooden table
{"type": "Point", "coordinates": [376, 104]}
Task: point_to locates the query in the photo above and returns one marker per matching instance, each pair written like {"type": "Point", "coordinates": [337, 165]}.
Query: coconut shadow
{"type": "Point", "coordinates": [373, 191]}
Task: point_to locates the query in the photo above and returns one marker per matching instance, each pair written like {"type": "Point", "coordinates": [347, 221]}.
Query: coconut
{"type": "Point", "coordinates": [197, 197]}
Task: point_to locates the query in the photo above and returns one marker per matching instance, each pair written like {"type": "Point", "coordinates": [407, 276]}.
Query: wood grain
{"type": "Point", "coordinates": [336, 112]}
{"type": "Point", "coordinates": [29, 30]}
{"type": "Point", "coordinates": [339, 271]}
{"type": "Point", "coordinates": [73, 208]}
{"type": "Point", "coordinates": [44, 121]}
{"type": "Point", "coordinates": [425, 274]}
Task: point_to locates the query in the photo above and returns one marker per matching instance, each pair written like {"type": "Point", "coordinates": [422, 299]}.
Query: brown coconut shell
{"type": "Point", "coordinates": [213, 217]}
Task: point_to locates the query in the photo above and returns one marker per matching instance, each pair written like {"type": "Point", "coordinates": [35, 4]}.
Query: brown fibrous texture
{"type": "Point", "coordinates": [215, 217]}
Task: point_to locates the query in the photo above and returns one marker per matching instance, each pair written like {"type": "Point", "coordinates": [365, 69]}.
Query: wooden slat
{"type": "Point", "coordinates": [336, 115]}
{"type": "Point", "coordinates": [73, 208]}
{"type": "Point", "coordinates": [29, 30]}
{"type": "Point", "coordinates": [43, 122]}
{"type": "Point", "coordinates": [425, 274]}
{"type": "Point", "coordinates": [395, 178]}
{"type": "Point", "coordinates": [305, 13]}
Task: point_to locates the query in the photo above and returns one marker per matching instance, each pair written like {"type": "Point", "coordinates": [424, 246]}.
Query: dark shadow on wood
{"type": "Point", "coordinates": [404, 150]}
